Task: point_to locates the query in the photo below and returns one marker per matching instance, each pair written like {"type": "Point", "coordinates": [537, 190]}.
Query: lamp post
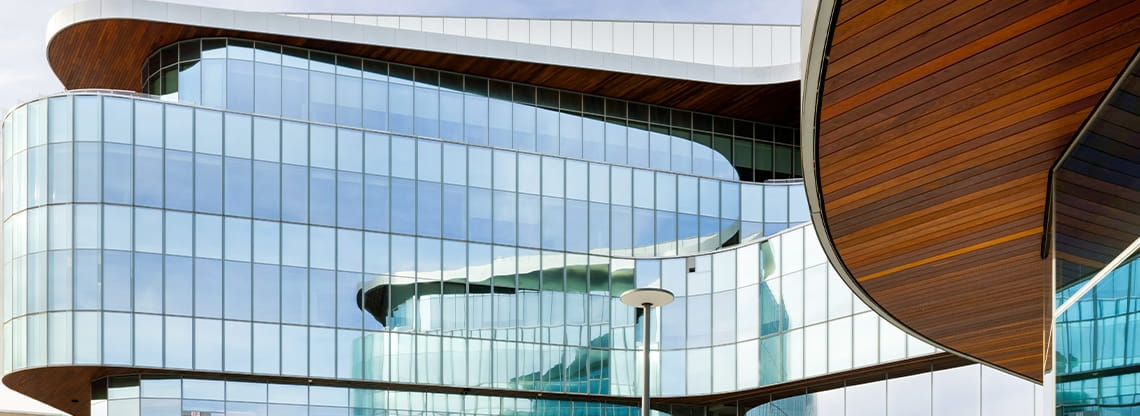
{"type": "Point", "coordinates": [646, 299]}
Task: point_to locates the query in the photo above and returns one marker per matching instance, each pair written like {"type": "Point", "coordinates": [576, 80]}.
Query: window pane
{"type": "Point", "coordinates": [956, 391]}
{"type": "Point", "coordinates": [909, 395]}
{"type": "Point", "coordinates": [267, 89]}
{"type": "Point", "coordinates": [348, 101]}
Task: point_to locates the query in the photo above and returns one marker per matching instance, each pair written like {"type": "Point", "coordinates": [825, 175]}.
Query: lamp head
{"type": "Point", "coordinates": [646, 296]}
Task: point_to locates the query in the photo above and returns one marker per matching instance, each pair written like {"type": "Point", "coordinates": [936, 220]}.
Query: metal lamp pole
{"type": "Point", "coordinates": [646, 299]}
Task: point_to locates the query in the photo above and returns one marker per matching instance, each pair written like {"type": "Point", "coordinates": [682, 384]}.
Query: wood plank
{"type": "Point", "coordinates": [938, 128]}
{"type": "Point", "coordinates": [1047, 128]}
{"type": "Point", "coordinates": [946, 187]}
{"type": "Point", "coordinates": [912, 39]}
{"type": "Point", "coordinates": [1025, 54]}
{"type": "Point", "coordinates": [967, 109]}
{"type": "Point", "coordinates": [986, 47]}
{"type": "Point", "coordinates": [871, 17]}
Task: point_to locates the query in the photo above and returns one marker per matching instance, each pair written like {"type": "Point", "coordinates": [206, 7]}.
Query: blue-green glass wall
{"type": "Point", "coordinates": [1098, 346]}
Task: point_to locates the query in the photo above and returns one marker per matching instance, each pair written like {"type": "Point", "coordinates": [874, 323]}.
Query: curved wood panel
{"type": "Point", "coordinates": [110, 53]}
{"type": "Point", "coordinates": [939, 122]}
{"type": "Point", "coordinates": [68, 388]}
{"type": "Point", "coordinates": [1096, 188]}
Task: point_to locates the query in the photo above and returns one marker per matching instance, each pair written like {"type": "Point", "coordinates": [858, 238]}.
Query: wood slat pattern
{"type": "Point", "coordinates": [1097, 186]}
{"type": "Point", "coordinates": [939, 122]}
{"type": "Point", "coordinates": [110, 54]}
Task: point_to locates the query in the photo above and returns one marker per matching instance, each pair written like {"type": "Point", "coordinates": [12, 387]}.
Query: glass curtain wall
{"type": "Point", "coordinates": [1098, 351]}
{"type": "Point", "coordinates": [301, 84]}
{"type": "Point", "coordinates": [110, 251]}
{"type": "Point", "coordinates": [233, 238]}
{"type": "Point", "coordinates": [148, 395]}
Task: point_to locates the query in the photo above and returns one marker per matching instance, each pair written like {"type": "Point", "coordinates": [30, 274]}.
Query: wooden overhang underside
{"type": "Point", "coordinates": [68, 388]}
{"type": "Point", "coordinates": [938, 124]}
{"type": "Point", "coordinates": [110, 53]}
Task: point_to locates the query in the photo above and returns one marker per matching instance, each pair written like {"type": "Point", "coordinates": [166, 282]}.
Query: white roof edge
{"type": "Point", "coordinates": [568, 19]}
{"type": "Point", "coordinates": [715, 53]}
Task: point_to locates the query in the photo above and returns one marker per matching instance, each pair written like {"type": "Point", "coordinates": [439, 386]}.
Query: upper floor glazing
{"type": "Point", "coordinates": [274, 80]}
{"type": "Point", "coordinates": [139, 152]}
{"type": "Point", "coordinates": [313, 216]}
{"type": "Point", "coordinates": [113, 256]}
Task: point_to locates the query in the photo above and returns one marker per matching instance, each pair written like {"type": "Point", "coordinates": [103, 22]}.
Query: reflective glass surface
{"type": "Point", "coordinates": [336, 89]}
{"type": "Point", "coordinates": [311, 244]}
{"type": "Point", "coordinates": [151, 395]}
{"type": "Point", "coordinates": [1098, 353]}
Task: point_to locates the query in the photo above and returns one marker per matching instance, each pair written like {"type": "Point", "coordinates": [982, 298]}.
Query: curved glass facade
{"type": "Point", "coordinates": [1098, 352]}
{"type": "Point", "coordinates": [401, 225]}
{"type": "Point", "coordinates": [142, 217]}
{"type": "Point", "coordinates": [301, 84]}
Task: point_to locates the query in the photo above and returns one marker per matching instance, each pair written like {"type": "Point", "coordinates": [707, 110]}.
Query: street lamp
{"type": "Point", "coordinates": [646, 299]}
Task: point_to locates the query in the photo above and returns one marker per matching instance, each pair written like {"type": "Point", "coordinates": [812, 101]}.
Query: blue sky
{"type": "Point", "coordinates": [24, 72]}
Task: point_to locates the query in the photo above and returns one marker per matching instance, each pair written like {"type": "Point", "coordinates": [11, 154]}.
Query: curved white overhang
{"type": "Point", "coordinates": [714, 53]}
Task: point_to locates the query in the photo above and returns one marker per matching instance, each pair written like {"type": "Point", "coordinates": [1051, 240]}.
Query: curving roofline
{"type": "Point", "coordinates": [374, 35]}
{"type": "Point", "coordinates": [105, 43]}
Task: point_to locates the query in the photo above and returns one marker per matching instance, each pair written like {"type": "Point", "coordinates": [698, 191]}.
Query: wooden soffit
{"type": "Point", "coordinates": [938, 124]}
{"type": "Point", "coordinates": [109, 53]}
{"type": "Point", "coordinates": [68, 388]}
{"type": "Point", "coordinates": [1096, 199]}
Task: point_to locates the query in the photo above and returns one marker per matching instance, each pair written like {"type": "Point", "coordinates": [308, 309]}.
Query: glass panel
{"type": "Point", "coordinates": [866, 337]}
{"type": "Point", "coordinates": [867, 399]}
{"type": "Point", "coordinates": [179, 342]}
{"type": "Point", "coordinates": [117, 339]}
{"type": "Point", "coordinates": [909, 395]}
{"type": "Point", "coordinates": [208, 344]}
{"type": "Point", "coordinates": [267, 89]}
{"type": "Point", "coordinates": [956, 391]}
{"type": "Point", "coordinates": [1004, 394]}
{"type": "Point", "coordinates": [117, 173]}
{"type": "Point", "coordinates": [348, 101]}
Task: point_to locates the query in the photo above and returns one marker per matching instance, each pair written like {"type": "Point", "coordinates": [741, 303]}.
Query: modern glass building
{"type": "Point", "coordinates": [258, 214]}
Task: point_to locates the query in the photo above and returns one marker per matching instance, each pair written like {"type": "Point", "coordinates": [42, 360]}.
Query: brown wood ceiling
{"type": "Point", "coordinates": [1097, 186]}
{"type": "Point", "coordinates": [939, 122]}
{"type": "Point", "coordinates": [110, 53]}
